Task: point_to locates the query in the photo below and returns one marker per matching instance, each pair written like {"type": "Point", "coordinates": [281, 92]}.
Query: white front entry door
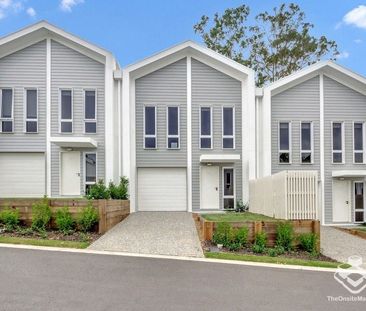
{"type": "Point", "coordinates": [341, 201]}
{"type": "Point", "coordinates": [70, 173]}
{"type": "Point", "coordinates": [210, 187]}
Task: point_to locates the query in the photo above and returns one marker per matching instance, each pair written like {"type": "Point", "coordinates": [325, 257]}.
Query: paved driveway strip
{"type": "Point", "coordinates": [163, 233]}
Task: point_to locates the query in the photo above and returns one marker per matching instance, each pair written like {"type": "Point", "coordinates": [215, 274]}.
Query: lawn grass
{"type": "Point", "coordinates": [275, 260]}
{"type": "Point", "coordinates": [237, 217]}
{"type": "Point", "coordinates": [363, 229]}
{"type": "Point", "coordinates": [40, 242]}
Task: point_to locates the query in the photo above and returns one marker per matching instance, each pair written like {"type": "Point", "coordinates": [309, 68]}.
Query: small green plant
{"type": "Point", "coordinates": [272, 252]}
{"type": "Point", "coordinates": [241, 206]}
{"type": "Point", "coordinates": [285, 235]}
{"type": "Point", "coordinates": [279, 250]}
{"type": "Point", "coordinates": [64, 221]}
{"type": "Point", "coordinates": [260, 242]}
{"type": "Point", "coordinates": [221, 234]}
{"type": "Point", "coordinates": [88, 218]}
{"type": "Point", "coordinates": [83, 237]}
{"type": "Point", "coordinates": [41, 215]}
{"type": "Point", "coordinates": [99, 191]}
{"type": "Point", "coordinates": [10, 218]}
{"type": "Point", "coordinates": [242, 236]}
{"type": "Point", "coordinates": [120, 191]}
{"type": "Point", "coordinates": [308, 242]}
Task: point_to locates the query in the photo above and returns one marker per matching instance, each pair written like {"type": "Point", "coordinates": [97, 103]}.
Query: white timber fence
{"type": "Point", "coordinates": [290, 195]}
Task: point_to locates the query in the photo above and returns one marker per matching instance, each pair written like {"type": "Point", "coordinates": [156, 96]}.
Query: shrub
{"type": "Point", "coordinates": [272, 252]}
{"type": "Point", "coordinates": [285, 235]}
{"type": "Point", "coordinates": [242, 236]}
{"type": "Point", "coordinates": [241, 206]}
{"type": "Point", "coordinates": [64, 221]}
{"type": "Point", "coordinates": [120, 191]}
{"type": "Point", "coordinates": [88, 218]}
{"type": "Point", "coordinates": [260, 242]}
{"type": "Point", "coordinates": [308, 242]}
{"type": "Point", "coordinates": [279, 250]}
{"type": "Point", "coordinates": [41, 215]}
{"type": "Point", "coordinates": [10, 218]}
{"type": "Point", "coordinates": [221, 234]}
{"type": "Point", "coordinates": [98, 191]}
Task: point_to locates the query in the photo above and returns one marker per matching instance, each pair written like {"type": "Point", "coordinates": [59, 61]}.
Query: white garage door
{"type": "Point", "coordinates": [162, 189]}
{"type": "Point", "coordinates": [22, 175]}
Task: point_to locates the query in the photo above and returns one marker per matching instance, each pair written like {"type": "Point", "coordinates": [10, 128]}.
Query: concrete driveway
{"type": "Point", "coordinates": [163, 233]}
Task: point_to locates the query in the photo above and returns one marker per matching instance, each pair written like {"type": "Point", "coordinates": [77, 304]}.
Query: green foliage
{"type": "Point", "coordinates": [277, 44]}
{"type": "Point", "coordinates": [241, 206]}
{"type": "Point", "coordinates": [120, 191]}
{"type": "Point", "coordinates": [279, 250]}
{"type": "Point", "coordinates": [221, 234]}
{"type": "Point", "coordinates": [285, 235]}
{"type": "Point", "coordinates": [99, 191]}
{"type": "Point", "coordinates": [242, 236]}
{"type": "Point", "coordinates": [260, 242]}
{"type": "Point", "coordinates": [231, 238]}
{"type": "Point", "coordinates": [64, 221]}
{"type": "Point", "coordinates": [272, 252]}
{"type": "Point", "coordinates": [308, 242]}
{"type": "Point", "coordinates": [41, 215]}
{"type": "Point", "coordinates": [10, 218]}
{"type": "Point", "coordinates": [88, 218]}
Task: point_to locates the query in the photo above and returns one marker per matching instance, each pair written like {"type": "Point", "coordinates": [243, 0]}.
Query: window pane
{"type": "Point", "coordinates": [358, 136]}
{"type": "Point", "coordinates": [358, 157]}
{"type": "Point", "coordinates": [306, 157]}
{"type": "Point", "coordinates": [90, 127]}
{"type": "Point", "coordinates": [358, 196]}
{"type": "Point", "coordinates": [337, 157]}
{"type": "Point", "coordinates": [150, 142]}
{"type": "Point", "coordinates": [7, 126]}
{"type": "Point", "coordinates": [359, 217]}
{"type": "Point", "coordinates": [31, 126]}
{"type": "Point", "coordinates": [205, 121]}
{"type": "Point", "coordinates": [150, 120]}
{"type": "Point", "coordinates": [172, 120]}
{"type": "Point", "coordinates": [228, 142]}
{"type": "Point", "coordinates": [284, 157]}
{"type": "Point", "coordinates": [228, 182]}
{"type": "Point", "coordinates": [284, 136]}
{"type": "Point", "coordinates": [66, 105]}
{"type": "Point", "coordinates": [31, 104]}
{"type": "Point", "coordinates": [337, 136]}
{"type": "Point", "coordinates": [66, 127]}
{"type": "Point", "coordinates": [91, 167]}
{"type": "Point", "coordinates": [205, 142]}
{"type": "Point", "coordinates": [90, 105]}
{"type": "Point", "coordinates": [7, 99]}
{"type": "Point", "coordinates": [173, 143]}
{"type": "Point", "coordinates": [228, 203]}
{"type": "Point", "coordinates": [306, 136]}
{"type": "Point", "coordinates": [228, 121]}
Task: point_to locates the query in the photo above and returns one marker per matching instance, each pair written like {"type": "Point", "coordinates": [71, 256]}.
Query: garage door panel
{"type": "Point", "coordinates": [162, 189]}
{"type": "Point", "coordinates": [22, 174]}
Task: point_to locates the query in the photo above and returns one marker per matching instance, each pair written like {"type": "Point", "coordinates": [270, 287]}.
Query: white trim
{"type": "Point", "coordinates": [167, 127]}
{"type": "Point", "coordinates": [11, 119]}
{"type": "Point", "coordinates": [349, 173]}
{"type": "Point", "coordinates": [85, 183]}
{"type": "Point", "coordinates": [211, 127]}
{"type": "Point", "coordinates": [95, 107]}
{"type": "Point", "coordinates": [222, 128]}
{"type": "Point", "coordinates": [189, 133]}
{"type": "Point", "coordinates": [219, 158]}
{"type": "Point", "coordinates": [342, 151]}
{"type": "Point", "coordinates": [311, 151]}
{"type": "Point", "coordinates": [127, 126]}
{"type": "Point", "coordinates": [267, 134]}
{"type": "Point", "coordinates": [25, 107]}
{"type": "Point", "coordinates": [119, 122]}
{"type": "Point", "coordinates": [74, 142]}
{"type": "Point", "coordinates": [322, 154]}
{"type": "Point", "coordinates": [289, 150]}
{"type": "Point", "coordinates": [144, 127]}
{"type": "Point", "coordinates": [363, 143]}
{"type": "Point", "coordinates": [249, 114]}
{"type": "Point", "coordinates": [48, 116]}
{"type": "Point", "coordinates": [223, 186]}
{"type": "Point", "coordinates": [60, 111]}
{"type": "Point", "coordinates": [133, 168]}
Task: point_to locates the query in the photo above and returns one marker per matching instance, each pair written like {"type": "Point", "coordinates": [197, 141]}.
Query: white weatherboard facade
{"type": "Point", "coordinates": [186, 126]}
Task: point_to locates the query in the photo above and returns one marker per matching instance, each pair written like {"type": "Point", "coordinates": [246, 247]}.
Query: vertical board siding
{"type": "Point", "coordinates": [213, 88]}
{"type": "Point", "coordinates": [25, 69]}
{"type": "Point", "coordinates": [73, 70]}
{"type": "Point", "coordinates": [162, 88]}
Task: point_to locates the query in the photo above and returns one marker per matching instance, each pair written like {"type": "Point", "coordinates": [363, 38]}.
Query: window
{"type": "Point", "coordinates": [31, 111]}
{"type": "Point", "coordinates": [337, 142]}
{"type": "Point", "coordinates": [306, 142]}
{"type": "Point", "coordinates": [229, 193]}
{"type": "Point", "coordinates": [284, 142]}
{"type": "Point", "coordinates": [206, 128]}
{"type": "Point", "coordinates": [150, 127]}
{"type": "Point", "coordinates": [228, 127]}
{"type": "Point", "coordinates": [90, 112]}
{"type": "Point", "coordinates": [173, 127]}
{"type": "Point", "coordinates": [358, 142]}
{"type": "Point", "coordinates": [66, 111]}
{"type": "Point", "coordinates": [6, 111]}
{"type": "Point", "coordinates": [90, 170]}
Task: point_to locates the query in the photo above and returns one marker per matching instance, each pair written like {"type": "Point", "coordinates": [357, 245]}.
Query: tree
{"type": "Point", "coordinates": [277, 45]}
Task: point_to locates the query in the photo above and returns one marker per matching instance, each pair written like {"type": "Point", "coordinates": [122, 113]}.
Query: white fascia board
{"type": "Point", "coordinates": [349, 173]}
{"type": "Point", "coordinates": [219, 158]}
{"type": "Point", "coordinates": [266, 130]}
{"type": "Point", "coordinates": [74, 142]}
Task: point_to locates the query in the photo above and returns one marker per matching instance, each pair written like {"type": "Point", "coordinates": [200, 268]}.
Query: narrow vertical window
{"type": "Point", "coordinates": [6, 111]}
{"type": "Point", "coordinates": [284, 142]}
{"type": "Point", "coordinates": [150, 127]}
{"type": "Point", "coordinates": [206, 128]}
{"type": "Point", "coordinates": [228, 127]}
{"type": "Point", "coordinates": [306, 142]}
{"type": "Point", "coordinates": [173, 127]}
{"type": "Point", "coordinates": [337, 142]}
{"type": "Point", "coordinates": [66, 111]}
{"type": "Point", "coordinates": [90, 170]}
{"type": "Point", "coordinates": [31, 113]}
{"type": "Point", "coordinates": [229, 184]}
{"type": "Point", "coordinates": [358, 142]}
{"type": "Point", "coordinates": [90, 113]}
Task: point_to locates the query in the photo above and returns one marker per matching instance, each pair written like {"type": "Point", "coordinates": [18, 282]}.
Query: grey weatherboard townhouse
{"type": "Point", "coordinates": [187, 126]}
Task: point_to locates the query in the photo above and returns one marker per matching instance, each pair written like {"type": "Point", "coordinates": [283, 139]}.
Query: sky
{"type": "Point", "coordinates": [135, 29]}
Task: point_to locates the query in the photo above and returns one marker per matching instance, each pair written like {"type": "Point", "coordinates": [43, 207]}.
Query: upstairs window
{"type": "Point", "coordinates": [31, 113]}
{"type": "Point", "coordinates": [173, 127]}
{"type": "Point", "coordinates": [337, 142]}
{"type": "Point", "coordinates": [150, 127]}
{"type": "Point", "coordinates": [306, 142]}
{"type": "Point", "coordinates": [66, 111]}
{"type": "Point", "coordinates": [90, 112]}
{"type": "Point", "coordinates": [284, 142]}
{"type": "Point", "coordinates": [228, 127]}
{"type": "Point", "coordinates": [358, 142]}
{"type": "Point", "coordinates": [206, 128]}
{"type": "Point", "coordinates": [6, 111]}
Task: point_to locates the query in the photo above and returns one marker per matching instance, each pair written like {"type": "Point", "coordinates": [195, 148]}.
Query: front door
{"type": "Point", "coordinates": [210, 187]}
{"type": "Point", "coordinates": [341, 201]}
{"type": "Point", "coordinates": [70, 173]}
{"type": "Point", "coordinates": [359, 202]}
